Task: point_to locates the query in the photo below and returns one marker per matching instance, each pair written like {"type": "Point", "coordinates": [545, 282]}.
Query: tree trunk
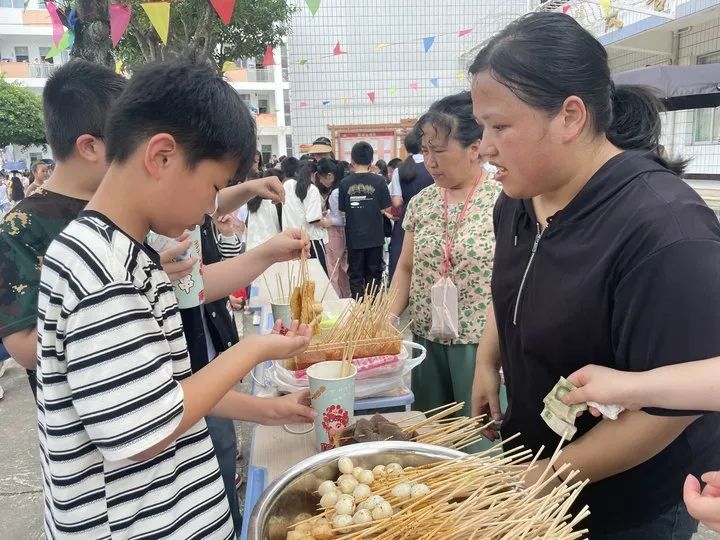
{"type": "Point", "coordinates": [92, 36]}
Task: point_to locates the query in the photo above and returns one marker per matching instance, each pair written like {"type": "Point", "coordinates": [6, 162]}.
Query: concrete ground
{"type": "Point", "coordinates": [20, 485]}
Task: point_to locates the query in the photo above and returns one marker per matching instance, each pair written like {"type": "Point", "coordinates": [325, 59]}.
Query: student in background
{"type": "Point", "coordinates": [263, 218]}
{"type": "Point", "coordinates": [391, 166]}
{"type": "Point", "coordinates": [363, 196]}
{"type": "Point", "coordinates": [409, 178]}
{"type": "Point", "coordinates": [329, 176]}
{"type": "Point", "coordinates": [303, 210]}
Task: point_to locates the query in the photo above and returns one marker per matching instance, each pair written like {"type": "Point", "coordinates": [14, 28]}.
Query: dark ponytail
{"type": "Point", "coordinates": [408, 168]}
{"type": "Point", "coordinates": [304, 178]}
{"type": "Point", "coordinates": [542, 70]}
{"type": "Point", "coordinates": [636, 123]}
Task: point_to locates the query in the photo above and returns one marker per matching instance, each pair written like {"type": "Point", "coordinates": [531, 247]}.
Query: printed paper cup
{"type": "Point", "coordinates": [332, 398]}
{"type": "Point", "coordinates": [283, 313]}
{"type": "Point", "coordinates": [190, 289]}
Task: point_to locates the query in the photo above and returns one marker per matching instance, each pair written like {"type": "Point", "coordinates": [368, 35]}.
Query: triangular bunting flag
{"type": "Point", "coordinates": [303, 62]}
{"type": "Point", "coordinates": [159, 15]}
{"type": "Point", "coordinates": [228, 66]}
{"type": "Point", "coordinates": [72, 19]}
{"type": "Point", "coordinates": [313, 6]}
{"type": "Point", "coordinates": [58, 28]}
{"type": "Point", "coordinates": [434, 82]}
{"type": "Point", "coordinates": [393, 91]}
{"type": "Point", "coordinates": [224, 9]}
{"type": "Point", "coordinates": [371, 95]}
{"type": "Point", "coordinates": [345, 100]}
{"type": "Point", "coordinates": [463, 33]}
{"type": "Point", "coordinates": [337, 50]}
{"type": "Point", "coordinates": [118, 66]}
{"type": "Point", "coordinates": [52, 52]}
{"type": "Point", "coordinates": [413, 86]}
{"type": "Point", "coordinates": [67, 40]}
{"type": "Point", "coordinates": [326, 103]}
{"type": "Point", "coordinates": [460, 75]}
{"type": "Point", "coordinates": [119, 20]}
{"type": "Point", "coordinates": [268, 58]}
{"type": "Point", "coordinates": [428, 42]}
{"type": "Point", "coordinates": [381, 46]}
{"type": "Point", "coordinates": [565, 8]}
{"type": "Point", "coordinates": [605, 6]}
{"type": "Point", "coordinates": [303, 104]}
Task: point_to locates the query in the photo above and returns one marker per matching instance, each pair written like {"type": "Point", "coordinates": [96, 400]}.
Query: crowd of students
{"type": "Point", "coordinates": [584, 247]}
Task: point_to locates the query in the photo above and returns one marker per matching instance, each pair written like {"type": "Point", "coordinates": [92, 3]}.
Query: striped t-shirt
{"type": "Point", "coordinates": [111, 356]}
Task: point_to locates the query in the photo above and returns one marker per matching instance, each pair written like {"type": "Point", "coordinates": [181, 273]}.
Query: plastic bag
{"type": "Point", "coordinates": [444, 300]}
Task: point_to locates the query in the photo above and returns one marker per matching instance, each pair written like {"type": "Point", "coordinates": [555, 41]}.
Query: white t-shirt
{"type": "Point", "coordinates": [299, 214]}
{"type": "Point", "coordinates": [395, 190]}
{"type": "Point", "coordinates": [111, 357]}
{"type": "Point", "coordinates": [262, 225]}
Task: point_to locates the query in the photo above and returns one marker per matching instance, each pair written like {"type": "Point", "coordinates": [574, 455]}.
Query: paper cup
{"type": "Point", "coordinates": [282, 313]}
{"type": "Point", "coordinates": [332, 398]}
{"type": "Point", "coordinates": [189, 289]}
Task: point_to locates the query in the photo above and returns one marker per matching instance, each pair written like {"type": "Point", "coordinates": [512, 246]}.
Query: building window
{"type": "Point", "coordinates": [43, 53]}
{"type": "Point", "coordinates": [706, 122]}
{"type": "Point", "coordinates": [263, 105]}
{"type": "Point", "coordinates": [12, 4]}
{"type": "Point", "coordinates": [266, 151]}
{"type": "Point", "coordinates": [22, 54]}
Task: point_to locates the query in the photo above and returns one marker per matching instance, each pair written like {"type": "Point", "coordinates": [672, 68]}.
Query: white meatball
{"type": "Point", "coordinates": [394, 469]}
{"type": "Point", "coordinates": [326, 486]}
{"type": "Point", "coordinates": [342, 521]}
{"type": "Point", "coordinates": [361, 492]}
{"type": "Point", "coordinates": [372, 502]}
{"type": "Point", "coordinates": [329, 500]}
{"type": "Point", "coordinates": [343, 477]}
{"type": "Point", "coordinates": [382, 511]}
{"type": "Point", "coordinates": [361, 517]}
{"type": "Point", "coordinates": [420, 490]}
{"type": "Point", "coordinates": [347, 485]}
{"type": "Point", "coordinates": [356, 472]}
{"type": "Point", "coordinates": [401, 491]}
{"type": "Point", "coordinates": [345, 505]}
{"type": "Point", "coordinates": [345, 465]}
{"type": "Point", "coordinates": [366, 477]}
{"type": "Point", "coordinates": [379, 471]}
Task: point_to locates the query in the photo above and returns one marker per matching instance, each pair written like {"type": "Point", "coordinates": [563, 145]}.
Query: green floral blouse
{"type": "Point", "coordinates": [472, 255]}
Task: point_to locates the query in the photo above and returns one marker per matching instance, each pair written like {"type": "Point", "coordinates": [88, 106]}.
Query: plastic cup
{"type": "Point", "coordinates": [332, 398]}
{"type": "Point", "coordinates": [282, 313]}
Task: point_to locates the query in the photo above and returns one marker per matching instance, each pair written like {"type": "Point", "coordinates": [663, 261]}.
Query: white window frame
{"type": "Point", "coordinates": [714, 112]}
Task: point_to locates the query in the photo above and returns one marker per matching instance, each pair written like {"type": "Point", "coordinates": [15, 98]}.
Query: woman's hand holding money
{"type": "Point", "coordinates": [600, 384]}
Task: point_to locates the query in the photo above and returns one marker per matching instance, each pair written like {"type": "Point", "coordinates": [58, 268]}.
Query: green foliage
{"type": "Point", "coordinates": [21, 121]}
{"type": "Point", "coordinates": [195, 30]}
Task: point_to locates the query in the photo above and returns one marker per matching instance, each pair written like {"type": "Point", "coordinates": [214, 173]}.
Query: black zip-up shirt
{"type": "Point", "coordinates": [626, 276]}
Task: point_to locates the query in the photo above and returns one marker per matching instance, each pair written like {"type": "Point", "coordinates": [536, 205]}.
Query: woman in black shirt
{"type": "Point", "coordinates": [602, 255]}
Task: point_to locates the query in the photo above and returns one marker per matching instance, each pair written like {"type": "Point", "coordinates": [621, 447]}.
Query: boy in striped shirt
{"type": "Point", "coordinates": [124, 448]}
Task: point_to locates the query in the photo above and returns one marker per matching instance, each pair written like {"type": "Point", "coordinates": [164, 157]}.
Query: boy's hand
{"type": "Point", "coordinates": [269, 188]}
{"type": "Point", "coordinates": [290, 409]}
{"type": "Point", "coordinates": [287, 245]}
{"type": "Point", "coordinates": [604, 385]}
{"type": "Point", "coordinates": [704, 505]}
{"type": "Point", "coordinates": [236, 303]}
{"type": "Point", "coordinates": [177, 269]}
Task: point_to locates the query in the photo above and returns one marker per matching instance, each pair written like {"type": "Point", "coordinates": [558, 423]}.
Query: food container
{"type": "Point", "coordinates": [294, 492]}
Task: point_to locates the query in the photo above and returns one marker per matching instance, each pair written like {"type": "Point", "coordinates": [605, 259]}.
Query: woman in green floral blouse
{"type": "Point", "coordinates": [450, 145]}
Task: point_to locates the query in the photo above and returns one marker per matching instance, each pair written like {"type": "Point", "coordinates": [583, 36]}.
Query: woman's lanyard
{"type": "Point", "coordinates": [447, 264]}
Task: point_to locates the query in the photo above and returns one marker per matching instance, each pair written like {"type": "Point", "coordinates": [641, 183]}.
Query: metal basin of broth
{"type": "Point", "coordinates": [295, 491]}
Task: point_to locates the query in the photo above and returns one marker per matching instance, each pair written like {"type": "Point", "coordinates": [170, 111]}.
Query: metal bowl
{"type": "Point", "coordinates": [294, 492]}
